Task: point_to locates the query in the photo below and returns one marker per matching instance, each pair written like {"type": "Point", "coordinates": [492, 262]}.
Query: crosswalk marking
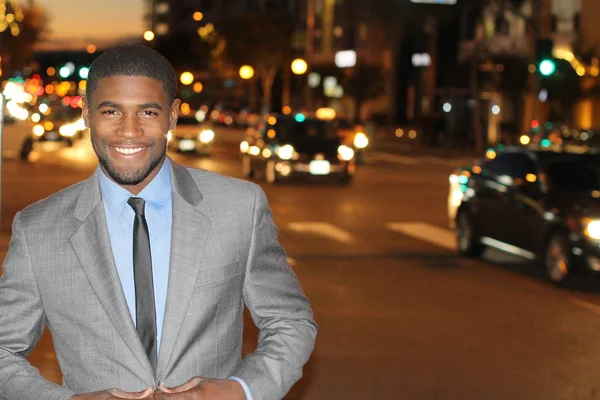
{"type": "Point", "coordinates": [594, 308]}
{"type": "Point", "coordinates": [322, 229]}
{"type": "Point", "coordinates": [439, 236]}
{"type": "Point", "coordinates": [445, 238]}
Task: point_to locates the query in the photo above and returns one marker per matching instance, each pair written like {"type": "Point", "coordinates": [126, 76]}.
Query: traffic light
{"type": "Point", "coordinates": [544, 59]}
{"type": "Point", "coordinates": [83, 72]}
{"type": "Point", "coordinates": [547, 67]}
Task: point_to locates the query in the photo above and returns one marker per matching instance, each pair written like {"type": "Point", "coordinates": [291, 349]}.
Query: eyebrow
{"type": "Point", "coordinates": [112, 104]}
{"type": "Point", "coordinates": [150, 105]}
{"type": "Point", "coordinates": [108, 104]}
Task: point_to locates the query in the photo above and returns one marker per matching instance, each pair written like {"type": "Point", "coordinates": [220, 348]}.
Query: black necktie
{"type": "Point", "coordinates": [144, 287]}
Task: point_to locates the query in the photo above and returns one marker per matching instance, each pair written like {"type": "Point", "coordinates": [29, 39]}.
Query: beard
{"type": "Point", "coordinates": [131, 176]}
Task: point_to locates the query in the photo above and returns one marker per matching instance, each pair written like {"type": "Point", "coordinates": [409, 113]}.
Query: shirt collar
{"type": "Point", "coordinates": [157, 194]}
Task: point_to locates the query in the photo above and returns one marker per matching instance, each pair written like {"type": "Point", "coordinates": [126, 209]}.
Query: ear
{"type": "Point", "coordinates": [85, 111]}
{"type": "Point", "coordinates": [173, 114]}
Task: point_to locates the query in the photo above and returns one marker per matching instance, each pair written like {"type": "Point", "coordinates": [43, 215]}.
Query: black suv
{"type": "Point", "coordinates": [533, 202]}
{"type": "Point", "coordinates": [286, 146]}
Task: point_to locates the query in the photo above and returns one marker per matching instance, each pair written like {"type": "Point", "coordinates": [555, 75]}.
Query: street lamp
{"type": "Point", "coordinates": [186, 78]}
{"type": "Point", "coordinates": [149, 36]}
{"type": "Point", "coordinates": [246, 72]}
{"type": "Point", "coordinates": [299, 66]}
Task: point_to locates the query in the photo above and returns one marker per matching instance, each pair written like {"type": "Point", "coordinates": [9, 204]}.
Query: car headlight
{"type": "Point", "coordinates": [67, 130]}
{"type": "Point", "coordinates": [206, 136]}
{"type": "Point", "coordinates": [285, 152]}
{"type": "Point", "coordinates": [361, 140]}
{"type": "Point", "coordinates": [592, 228]}
{"type": "Point", "coordinates": [38, 130]}
{"type": "Point", "coordinates": [345, 153]}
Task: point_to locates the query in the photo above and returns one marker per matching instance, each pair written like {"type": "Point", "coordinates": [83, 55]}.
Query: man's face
{"type": "Point", "coordinates": [129, 117]}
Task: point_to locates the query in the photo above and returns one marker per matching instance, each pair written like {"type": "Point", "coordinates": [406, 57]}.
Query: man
{"type": "Point", "coordinates": [142, 271]}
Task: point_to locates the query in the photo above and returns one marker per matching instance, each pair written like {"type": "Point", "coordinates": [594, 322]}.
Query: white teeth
{"type": "Point", "coordinates": [123, 150]}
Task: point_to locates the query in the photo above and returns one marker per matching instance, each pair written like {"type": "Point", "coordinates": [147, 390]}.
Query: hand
{"type": "Point", "coordinates": [113, 394]}
{"type": "Point", "coordinates": [203, 389]}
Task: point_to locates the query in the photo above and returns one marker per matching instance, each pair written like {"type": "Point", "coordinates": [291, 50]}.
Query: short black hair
{"type": "Point", "coordinates": [133, 60]}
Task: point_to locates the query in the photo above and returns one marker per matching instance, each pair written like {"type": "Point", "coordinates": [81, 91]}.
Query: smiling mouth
{"type": "Point", "coordinates": [128, 150]}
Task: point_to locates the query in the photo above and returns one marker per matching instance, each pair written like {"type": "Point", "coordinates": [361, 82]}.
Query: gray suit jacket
{"type": "Point", "coordinates": [60, 272]}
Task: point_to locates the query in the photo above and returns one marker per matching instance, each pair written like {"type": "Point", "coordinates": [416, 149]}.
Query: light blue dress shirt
{"type": "Point", "coordinates": [120, 216]}
{"type": "Point", "coordinates": [159, 217]}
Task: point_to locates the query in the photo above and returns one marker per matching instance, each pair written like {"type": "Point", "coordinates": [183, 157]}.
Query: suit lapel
{"type": "Point", "coordinates": [91, 244]}
{"type": "Point", "coordinates": [188, 239]}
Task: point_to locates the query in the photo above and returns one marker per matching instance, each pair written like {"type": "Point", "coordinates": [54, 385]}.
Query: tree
{"type": "Point", "coordinates": [363, 82]}
{"type": "Point", "coordinates": [17, 45]}
{"type": "Point", "coordinates": [262, 41]}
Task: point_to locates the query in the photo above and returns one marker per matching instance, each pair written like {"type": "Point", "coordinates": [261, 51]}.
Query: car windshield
{"type": "Point", "coordinates": [309, 130]}
{"type": "Point", "coordinates": [573, 172]}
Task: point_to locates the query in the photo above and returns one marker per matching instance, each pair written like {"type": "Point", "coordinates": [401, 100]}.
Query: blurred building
{"type": "Point", "coordinates": [499, 46]}
{"type": "Point", "coordinates": [349, 53]}
{"type": "Point", "coordinates": [174, 24]}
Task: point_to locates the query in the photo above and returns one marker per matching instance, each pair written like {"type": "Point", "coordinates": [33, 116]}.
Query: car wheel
{"type": "Point", "coordinates": [26, 149]}
{"type": "Point", "coordinates": [467, 243]}
{"type": "Point", "coordinates": [271, 173]}
{"type": "Point", "coordinates": [557, 259]}
{"type": "Point", "coordinates": [247, 171]}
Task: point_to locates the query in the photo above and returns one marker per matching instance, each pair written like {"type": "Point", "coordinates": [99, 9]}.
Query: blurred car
{"type": "Point", "coordinates": [17, 140]}
{"type": "Point", "coordinates": [539, 203]}
{"type": "Point", "coordinates": [61, 126]}
{"type": "Point", "coordinates": [191, 136]}
{"type": "Point", "coordinates": [286, 146]}
{"type": "Point", "coordinates": [352, 135]}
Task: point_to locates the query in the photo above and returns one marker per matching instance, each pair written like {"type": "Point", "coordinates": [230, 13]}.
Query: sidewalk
{"type": "Point", "coordinates": [406, 146]}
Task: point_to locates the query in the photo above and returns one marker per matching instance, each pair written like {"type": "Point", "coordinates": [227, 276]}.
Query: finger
{"type": "Point", "coordinates": [192, 383]}
{"type": "Point", "coordinates": [165, 389]}
{"type": "Point", "coordinates": [132, 395]}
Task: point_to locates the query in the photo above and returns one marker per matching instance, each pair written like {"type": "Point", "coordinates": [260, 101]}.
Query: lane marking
{"type": "Point", "coordinates": [322, 229]}
{"type": "Point", "coordinates": [594, 308]}
{"type": "Point", "coordinates": [445, 238]}
{"type": "Point", "coordinates": [428, 233]}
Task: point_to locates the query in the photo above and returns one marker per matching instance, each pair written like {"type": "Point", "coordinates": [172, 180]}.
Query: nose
{"type": "Point", "coordinates": [130, 127]}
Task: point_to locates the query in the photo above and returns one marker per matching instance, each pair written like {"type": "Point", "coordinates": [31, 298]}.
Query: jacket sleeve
{"type": "Point", "coordinates": [280, 310]}
{"type": "Point", "coordinates": [22, 321]}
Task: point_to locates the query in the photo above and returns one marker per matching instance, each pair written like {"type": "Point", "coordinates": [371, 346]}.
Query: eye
{"type": "Point", "coordinates": [150, 113]}
{"type": "Point", "coordinates": [109, 112]}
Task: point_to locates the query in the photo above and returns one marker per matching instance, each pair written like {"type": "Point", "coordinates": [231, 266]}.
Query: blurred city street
{"type": "Point", "coordinates": [400, 315]}
{"type": "Point", "coordinates": [446, 228]}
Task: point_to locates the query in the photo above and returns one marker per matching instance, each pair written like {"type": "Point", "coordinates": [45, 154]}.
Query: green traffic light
{"type": "Point", "coordinates": [83, 72]}
{"type": "Point", "coordinates": [64, 72]}
{"type": "Point", "coordinates": [547, 67]}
